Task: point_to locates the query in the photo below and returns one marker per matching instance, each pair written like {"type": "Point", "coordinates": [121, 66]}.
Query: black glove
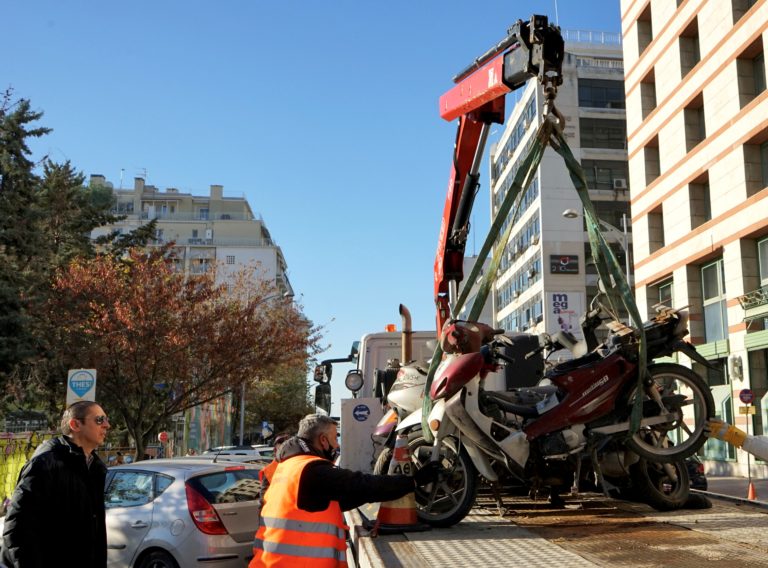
{"type": "Point", "coordinates": [427, 473]}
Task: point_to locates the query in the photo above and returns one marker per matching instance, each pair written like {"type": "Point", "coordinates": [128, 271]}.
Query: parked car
{"type": "Point", "coordinates": [263, 451]}
{"type": "Point", "coordinates": [696, 473]}
{"type": "Point", "coordinates": [172, 513]}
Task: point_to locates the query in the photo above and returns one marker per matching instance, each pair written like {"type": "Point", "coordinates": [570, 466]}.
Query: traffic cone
{"type": "Point", "coordinates": [399, 515]}
{"type": "Point", "coordinates": [751, 492]}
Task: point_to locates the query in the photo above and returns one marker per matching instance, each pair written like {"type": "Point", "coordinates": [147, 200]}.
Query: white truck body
{"type": "Point", "coordinates": [361, 413]}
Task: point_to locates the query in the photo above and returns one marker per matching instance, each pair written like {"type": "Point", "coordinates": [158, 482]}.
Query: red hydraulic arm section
{"type": "Point", "coordinates": [531, 49]}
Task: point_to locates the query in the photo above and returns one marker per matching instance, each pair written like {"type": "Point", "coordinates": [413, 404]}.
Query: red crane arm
{"type": "Point", "coordinates": [531, 49]}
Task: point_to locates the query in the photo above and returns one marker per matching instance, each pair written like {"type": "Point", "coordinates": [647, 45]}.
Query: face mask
{"type": "Point", "coordinates": [331, 453]}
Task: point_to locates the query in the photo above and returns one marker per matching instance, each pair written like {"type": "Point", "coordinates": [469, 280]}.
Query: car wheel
{"type": "Point", "coordinates": [157, 559]}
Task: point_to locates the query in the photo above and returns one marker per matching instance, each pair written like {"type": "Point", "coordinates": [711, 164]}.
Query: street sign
{"type": "Point", "coordinates": [746, 396]}
{"type": "Point", "coordinates": [162, 437]}
{"type": "Point", "coordinates": [81, 385]}
{"type": "Point", "coordinates": [747, 409]}
{"type": "Point", "coordinates": [267, 429]}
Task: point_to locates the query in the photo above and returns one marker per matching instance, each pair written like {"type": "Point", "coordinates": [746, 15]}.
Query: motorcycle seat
{"type": "Point", "coordinates": [509, 406]}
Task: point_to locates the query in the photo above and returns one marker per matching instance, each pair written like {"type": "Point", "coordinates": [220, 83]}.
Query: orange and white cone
{"type": "Point", "coordinates": [399, 515]}
{"type": "Point", "coordinates": [751, 495]}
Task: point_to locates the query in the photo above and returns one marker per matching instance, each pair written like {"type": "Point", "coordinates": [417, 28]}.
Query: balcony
{"type": "Point", "coordinates": [755, 303]}
{"type": "Point", "coordinates": [146, 215]}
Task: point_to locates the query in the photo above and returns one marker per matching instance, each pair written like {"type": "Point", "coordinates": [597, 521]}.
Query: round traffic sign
{"type": "Point", "coordinates": [162, 437]}
{"type": "Point", "coordinates": [746, 396]}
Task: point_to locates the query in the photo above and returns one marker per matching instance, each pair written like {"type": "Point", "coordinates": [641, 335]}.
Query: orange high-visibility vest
{"type": "Point", "coordinates": [268, 471]}
{"type": "Point", "coordinates": [289, 536]}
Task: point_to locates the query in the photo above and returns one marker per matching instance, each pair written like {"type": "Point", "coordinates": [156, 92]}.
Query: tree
{"type": "Point", "coordinates": [163, 342]}
{"type": "Point", "coordinates": [19, 219]}
{"type": "Point", "coordinates": [281, 399]}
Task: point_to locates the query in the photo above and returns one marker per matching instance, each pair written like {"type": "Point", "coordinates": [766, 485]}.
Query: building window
{"type": "Point", "coordinates": [713, 291]}
{"type": "Point", "coordinates": [756, 164]}
{"type": "Point", "coordinates": [689, 48]}
{"type": "Point", "coordinates": [656, 229]}
{"type": "Point", "coordinates": [695, 130]}
{"type": "Point", "coordinates": [606, 174]}
{"type": "Point", "coordinates": [644, 29]}
{"type": "Point", "coordinates": [762, 254]}
{"type": "Point", "coordinates": [603, 133]}
{"type": "Point", "coordinates": [601, 93]}
{"type": "Point", "coordinates": [230, 259]}
{"type": "Point", "coordinates": [648, 94]}
{"type": "Point", "coordinates": [666, 295]}
{"type": "Point", "coordinates": [741, 7]}
{"type": "Point", "coordinates": [699, 200]}
{"type": "Point", "coordinates": [203, 213]}
{"type": "Point", "coordinates": [194, 234]}
{"type": "Point", "coordinates": [750, 72]}
{"type": "Point", "coordinates": [652, 160]}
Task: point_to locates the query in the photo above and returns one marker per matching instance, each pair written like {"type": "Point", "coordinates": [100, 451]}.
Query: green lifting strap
{"type": "Point", "coordinates": [605, 261]}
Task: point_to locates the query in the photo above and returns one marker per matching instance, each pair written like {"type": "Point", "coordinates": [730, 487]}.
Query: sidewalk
{"type": "Point", "coordinates": [737, 487]}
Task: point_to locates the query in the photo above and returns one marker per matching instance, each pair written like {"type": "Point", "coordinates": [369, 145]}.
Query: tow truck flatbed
{"type": "Point", "coordinates": [591, 531]}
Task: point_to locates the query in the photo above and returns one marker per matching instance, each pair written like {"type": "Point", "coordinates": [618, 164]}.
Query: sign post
{"type": "Point", "coordinates": [747, 396]}
{"type": "Point", "coordinates": [81, 385]}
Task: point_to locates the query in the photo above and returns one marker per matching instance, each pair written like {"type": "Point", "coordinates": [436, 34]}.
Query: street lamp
{"type": "Point", "coordinates": [622, 237]}
{"type": "Point", "coordinates": [242, 387]}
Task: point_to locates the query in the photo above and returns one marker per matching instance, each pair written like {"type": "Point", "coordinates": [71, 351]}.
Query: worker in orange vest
{"type": "Point", "coordinates": [301, 522]}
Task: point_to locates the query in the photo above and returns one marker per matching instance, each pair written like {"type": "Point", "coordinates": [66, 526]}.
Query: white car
{"type": "Point", "coordinates": [183, 512]}
{"type": "Point", "coordinates": [263, 452]}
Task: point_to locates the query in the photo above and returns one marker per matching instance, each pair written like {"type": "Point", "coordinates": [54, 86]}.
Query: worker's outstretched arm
{"type": "Point", "coordinates": [755, 445]}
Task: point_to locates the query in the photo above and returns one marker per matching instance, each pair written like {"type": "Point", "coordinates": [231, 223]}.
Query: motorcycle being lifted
{"type": "Point", "coordinates": [551, 436]}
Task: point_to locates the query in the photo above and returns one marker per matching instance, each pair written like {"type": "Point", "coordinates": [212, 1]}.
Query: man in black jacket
{"type": "Point", "coordinates": [56, 513]}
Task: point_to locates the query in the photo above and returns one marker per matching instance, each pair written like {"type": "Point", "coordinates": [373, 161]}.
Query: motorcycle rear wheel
{"type": "Point", "coordinates": [449, 500]}
{"type": "Point", "coordinates": [675, 440]}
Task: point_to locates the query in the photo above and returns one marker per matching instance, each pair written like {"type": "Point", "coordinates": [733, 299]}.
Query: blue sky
{"type": "Point", "coordinates": [322, 114]}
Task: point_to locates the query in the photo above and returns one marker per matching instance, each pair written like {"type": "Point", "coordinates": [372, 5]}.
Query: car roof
{"type": "Point", "coordinates": [188, 464]}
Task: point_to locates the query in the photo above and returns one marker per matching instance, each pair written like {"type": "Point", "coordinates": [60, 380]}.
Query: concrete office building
{"type": "Point", "coordinates": [546, 278]}
{"type": "Point", "coordinates": [697, 126]}
{"type": "Point", "coordinates": [208, 230]}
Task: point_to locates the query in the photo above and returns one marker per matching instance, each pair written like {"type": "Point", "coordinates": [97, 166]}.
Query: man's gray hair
{"type": "Point", "coordinates": [312, 425]}
{"type": "Point", "coordinates": [78, 411]}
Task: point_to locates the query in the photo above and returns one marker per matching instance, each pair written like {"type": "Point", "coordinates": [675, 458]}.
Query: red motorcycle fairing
{"type": "Point", "coordinates": [456, 374]}
{"type": "Point", "coordinates": [591, 391]}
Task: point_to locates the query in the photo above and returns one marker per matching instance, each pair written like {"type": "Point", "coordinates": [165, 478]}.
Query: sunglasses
{"type": "Point", "coordinates": [100, 419]}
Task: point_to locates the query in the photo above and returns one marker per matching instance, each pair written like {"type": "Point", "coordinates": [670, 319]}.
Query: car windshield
{"type": "Point", "coordinates": [228, 486]}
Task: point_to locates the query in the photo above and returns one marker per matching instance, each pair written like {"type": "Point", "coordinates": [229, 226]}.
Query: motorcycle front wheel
{"type": "Point", "coordinates": [688, 398]}
{"type": "Point", "coordinates": [665, 487]}
{"type": "Point", "coordinates": [448, 500]}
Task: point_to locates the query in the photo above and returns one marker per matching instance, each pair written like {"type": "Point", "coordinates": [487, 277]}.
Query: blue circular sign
{"type": "Point", "coordinates": [746, 396]}
{"type": "Point", "coordinates": [361, 412]}
{"type": "Point", "coordinates": [81, 382]}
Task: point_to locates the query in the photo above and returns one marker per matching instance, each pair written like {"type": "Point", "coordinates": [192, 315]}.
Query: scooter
{"type": "Point", "coordinates": [582, 412]}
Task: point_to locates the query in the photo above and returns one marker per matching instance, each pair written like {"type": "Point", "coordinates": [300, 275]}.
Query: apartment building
{"type": "Point", "coordinates": [697, 133]}
{"type": "Point", "coordinates": [546, 278]}
{"type": "Point", "coordinates": [207, 230]}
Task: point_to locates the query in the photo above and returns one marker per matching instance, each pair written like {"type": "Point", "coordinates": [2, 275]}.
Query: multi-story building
{"type": "Point", "coordinates": [207, 230]}
{"type": "Point", "coordinates": [546, 277]}
{"type": "Point", "coordinates": [697, 126]}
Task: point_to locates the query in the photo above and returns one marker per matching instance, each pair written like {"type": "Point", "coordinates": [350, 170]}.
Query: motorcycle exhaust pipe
{"type": "Point", "coordinates": [406, 348]}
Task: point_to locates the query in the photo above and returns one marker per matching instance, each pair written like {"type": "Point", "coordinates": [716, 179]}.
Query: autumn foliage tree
{"type": "Point", "coordinates": [163, 342]}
